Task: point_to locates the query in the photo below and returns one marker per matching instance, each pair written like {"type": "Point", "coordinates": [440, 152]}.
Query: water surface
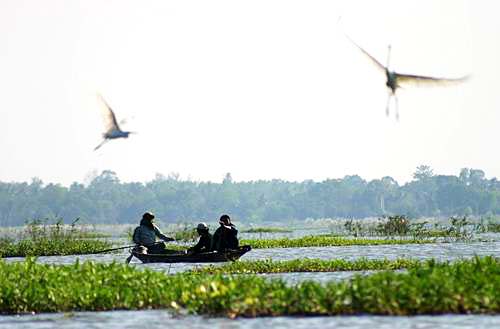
{"type": "Point", "coordinates": [163, 319]}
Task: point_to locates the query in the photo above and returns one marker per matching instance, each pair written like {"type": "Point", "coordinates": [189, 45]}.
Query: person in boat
{"type": "Point", "coordinates": [205, 242]}
{"type": "Point", "coordinates": [146, 233]}
{"type": "Point", "coordinates": [225, 237]}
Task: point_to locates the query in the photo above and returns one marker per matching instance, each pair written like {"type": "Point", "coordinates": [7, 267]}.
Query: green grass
{"type": "Point", "coordinates": [464, 287]}
{"type": "Point", "coordinates": [325, 241]}
{"type": "Point", "coordinates": [266, 230]}
{"type": "Point", "coordinates": [305, 265]}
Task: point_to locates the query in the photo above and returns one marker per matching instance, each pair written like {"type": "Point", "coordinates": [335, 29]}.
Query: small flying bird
{"type": "Point", "coordinates": [395, 79]}
{"type": "Point", "coordinates": [112, 128]}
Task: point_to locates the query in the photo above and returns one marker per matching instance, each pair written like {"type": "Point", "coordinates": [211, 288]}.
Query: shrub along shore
{"type": "Point", "coordinates": [326, 241]}
{"type": "Point", "coordinates": [306, 265]}
{"type": "Point", "coordinates": [466, 286]}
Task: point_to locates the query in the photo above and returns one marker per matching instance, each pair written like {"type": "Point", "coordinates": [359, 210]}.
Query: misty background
{"type": "Point", "coordinates": [106, 200]}
{"type": "Point", "coordinates": [271, 92]}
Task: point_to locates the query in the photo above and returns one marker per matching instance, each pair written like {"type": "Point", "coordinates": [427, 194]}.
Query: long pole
{"type": "Point", "coordinates": [112, 249]}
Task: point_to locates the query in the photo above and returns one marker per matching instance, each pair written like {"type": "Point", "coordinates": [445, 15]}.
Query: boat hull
{"type": "Point", "coordinates": [205, 257]}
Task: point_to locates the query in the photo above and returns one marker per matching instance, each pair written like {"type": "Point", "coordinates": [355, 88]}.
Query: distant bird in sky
{"type": "Point", "coordinates": [113, 130]}
{"type": "Point", "coordinates": [395, 80]}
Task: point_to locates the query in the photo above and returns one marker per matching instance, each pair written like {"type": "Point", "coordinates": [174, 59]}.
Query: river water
{"type": "Point", "coordinates": [160, 319]}
{"type": "Point", "coordinates": [163, 319]}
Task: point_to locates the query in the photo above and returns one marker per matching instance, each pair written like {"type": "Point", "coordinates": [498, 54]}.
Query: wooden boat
{"type": "Point", "coordinates": [182, 257]}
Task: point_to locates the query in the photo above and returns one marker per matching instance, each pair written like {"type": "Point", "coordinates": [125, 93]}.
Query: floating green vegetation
{"type": "Point", "coordinates": [266, 230]}
{"type": "Point", "coordinates": [306, 265]}
{"type": "Point", "coordinates": [186, 234]}
{"type": "Point", "coordinates": [324, 241]}
{"type": "Point", "coordinates": [39, 238]}
{"type": "Point", "coordinates": [467, 286]}
{"type": "Point", "coordinates": [50, 247]}
{"type": "Point", "coordinates": [174, 247]}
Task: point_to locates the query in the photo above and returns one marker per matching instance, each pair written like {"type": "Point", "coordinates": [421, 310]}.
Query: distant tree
{"type": "Point", "coordinates": [228, 179]}
{"type": "Point", "coordinates": [476, 177]}
{"type": "Point", "coordinates": [423, 172]}
{"type": "Point", "coordinates": [105, 199]}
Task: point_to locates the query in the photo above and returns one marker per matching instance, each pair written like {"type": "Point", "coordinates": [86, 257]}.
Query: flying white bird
{"type": "Point", "coordinates": [113, 130]}
{"type": "Point", "coordinates": [395, 80]}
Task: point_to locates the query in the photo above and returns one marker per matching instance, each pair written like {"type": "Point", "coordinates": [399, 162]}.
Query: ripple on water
{"type": "Point", "coordinates": [163, 319]}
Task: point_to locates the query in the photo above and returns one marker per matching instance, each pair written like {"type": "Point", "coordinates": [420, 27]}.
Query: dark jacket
{"type": "Point", "coordinates": [204, 244]}
{"type": "Point", "coordinates": [146, 234]}
{"type": "Point", "coordinates": [225, 238]}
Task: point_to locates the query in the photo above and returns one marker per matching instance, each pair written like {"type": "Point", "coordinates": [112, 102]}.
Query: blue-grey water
{"type": "Point", "coordinates": [160, 319]}
{"type": "Point", "coordinates": [164, 319]}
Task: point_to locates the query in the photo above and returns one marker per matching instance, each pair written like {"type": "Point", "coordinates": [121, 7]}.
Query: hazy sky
{"type": "Point", "coordinates": [261, 89]}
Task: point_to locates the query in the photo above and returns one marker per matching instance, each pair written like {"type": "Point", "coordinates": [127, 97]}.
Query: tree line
{"type": "Point", "coordinates": [107, 200]}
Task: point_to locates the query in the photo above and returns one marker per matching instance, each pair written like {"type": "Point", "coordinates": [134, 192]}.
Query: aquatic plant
{"type": "Point", "coordinates": [55, 228]}
{"type": "Point", "coordinates": [395, 225]}
{"type": "Point", "coordinates": [458, 228]}
{"type": "Point", "coordinates": [186, 234]}
{"type": "Point", "coordinates": [466, 286]}
{"type": "Point", "coordinates": [493, 227]}
{"type": "Point", "coordinates": [40, 238]}
{"type": "Point", "coordinates": [306, 265]}
{"type": "Point", "coordinates": [324, 241]}
{"type": "Point", "coordinates": [398, 226]}
{"type": "Point", "coordinates": [353, 228]}
{"type": "Point", "coordinates": [50, 247]}
{"type": "Point", "coordinates": [266, 230]}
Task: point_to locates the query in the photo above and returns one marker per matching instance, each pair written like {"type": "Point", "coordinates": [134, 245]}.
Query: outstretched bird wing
{"type": "Point", "coordinates": [374, 61]}
{"type": "Point", "coordinates": [420, 80]}
{"type": "Point", "coordinates": [108, 115]}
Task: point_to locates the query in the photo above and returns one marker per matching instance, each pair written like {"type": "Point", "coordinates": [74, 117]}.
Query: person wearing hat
{"type": "Point", "coordinates": [205, 242]}
{"type": "Point", "coordinates": [225, 237]}
{"type": "Point", "coordinates": [146, 233]}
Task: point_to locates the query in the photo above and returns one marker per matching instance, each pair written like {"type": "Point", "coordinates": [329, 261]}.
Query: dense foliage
{"type": "Point", "coordinates": [467, 286]}
{"type": "Point", "coordinates": [306, 265]}
{"type": "Point", "coordinates": [107, 200]}
{"type": "Point", "coordinates": [325, 241]}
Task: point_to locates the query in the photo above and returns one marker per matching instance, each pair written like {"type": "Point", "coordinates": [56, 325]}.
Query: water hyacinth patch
{"type": "Point", "coordinates": [51, 247]}
{"type": "Point", "coordinates": [466, 286]}
{"type": "Point", "coordinates": [325, 241]}
{"type": "Point", "coordinates": [40, 238]}
{"type": "Point", "coordinates": [266, 230]}
{"type": "Point", "coordinates": [306, 265]}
